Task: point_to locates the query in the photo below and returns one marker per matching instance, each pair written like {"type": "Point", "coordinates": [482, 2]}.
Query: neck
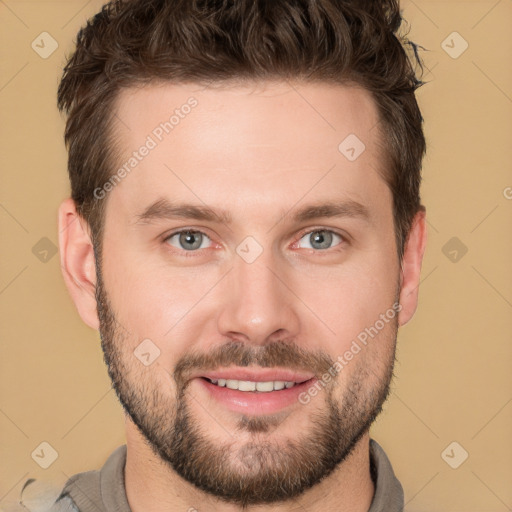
{"type": "Point", "coordinates": [152, 486]}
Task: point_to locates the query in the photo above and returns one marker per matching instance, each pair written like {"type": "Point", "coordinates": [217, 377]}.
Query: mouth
{"type": "Point", "coordinates": [251, 392]}
{"type": "Point", "coordinates": [248, 385]}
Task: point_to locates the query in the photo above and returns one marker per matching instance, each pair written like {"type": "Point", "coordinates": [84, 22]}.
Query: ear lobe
{"type": "Point", "coordinates": [77, 262]}
{"type": "Point", "coordinates": [411, 267]}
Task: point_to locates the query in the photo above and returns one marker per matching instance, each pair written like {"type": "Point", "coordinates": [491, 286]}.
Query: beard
{"type": "Point", "coordinates": [262, 470]}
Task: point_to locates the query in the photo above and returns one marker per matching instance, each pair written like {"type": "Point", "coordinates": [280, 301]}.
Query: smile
{"type": "Point", "coordinates": [255, 391]}
{"type": "Point", "coordinates": [247, 385]}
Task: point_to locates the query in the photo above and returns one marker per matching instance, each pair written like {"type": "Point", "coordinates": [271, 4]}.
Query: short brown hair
{"type": "Point", "coordinates": [338, 41]}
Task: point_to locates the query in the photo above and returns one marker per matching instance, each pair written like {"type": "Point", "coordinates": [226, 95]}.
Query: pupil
{"type": "Point", "coordinates": [187, 238]}
{"type": "Point", "coordinates": [322, 238]}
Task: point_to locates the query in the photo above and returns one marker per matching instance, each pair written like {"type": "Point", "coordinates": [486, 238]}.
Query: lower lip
{"type": "Point", "coordinates": [255, 402]}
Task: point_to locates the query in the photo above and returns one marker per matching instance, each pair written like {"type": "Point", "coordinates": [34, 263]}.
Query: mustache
{"type": "Point", "coordinates": [280, 353]}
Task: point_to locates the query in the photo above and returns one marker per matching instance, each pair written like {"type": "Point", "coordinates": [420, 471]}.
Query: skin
{"type": "Point", "coordinates": [255, 151]}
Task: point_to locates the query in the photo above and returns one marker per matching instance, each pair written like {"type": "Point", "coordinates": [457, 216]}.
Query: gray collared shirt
{"type": "Point", "coordinates": [104, 490]}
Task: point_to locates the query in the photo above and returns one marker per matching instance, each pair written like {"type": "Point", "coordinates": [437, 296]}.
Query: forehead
{"type": "Point", "coordinates": [265, 139]}
{"type": "Point", "coordinates": [248, 114]}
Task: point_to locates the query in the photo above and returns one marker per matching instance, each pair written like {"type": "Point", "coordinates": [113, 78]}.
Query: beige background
{"type": "Point", "coordinates": [454, 379]}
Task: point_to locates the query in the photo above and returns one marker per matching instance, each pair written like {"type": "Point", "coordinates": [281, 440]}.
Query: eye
{"type": "Point", "coordinates": [188, 240]}
{"type": "Point", "coordinates": [320, 239]}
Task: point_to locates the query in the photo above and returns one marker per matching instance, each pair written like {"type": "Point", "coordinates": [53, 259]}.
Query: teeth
{"type": "Point", "coordinates": [232, 384]}
{"type": "Point", "coordinates": [265, 386]}
{"type": "Point", "coordinates": [246, 385]}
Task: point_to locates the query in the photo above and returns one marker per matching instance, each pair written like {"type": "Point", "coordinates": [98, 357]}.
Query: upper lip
{"type": "Point", "coordinates": [257, 375]}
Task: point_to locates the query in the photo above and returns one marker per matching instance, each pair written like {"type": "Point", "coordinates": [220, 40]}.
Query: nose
{"type": "Point", "coordinates": [258, 304]}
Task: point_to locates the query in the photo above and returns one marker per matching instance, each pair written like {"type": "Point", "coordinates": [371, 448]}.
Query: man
{"type": "Point", "coordinates": [246, 233]}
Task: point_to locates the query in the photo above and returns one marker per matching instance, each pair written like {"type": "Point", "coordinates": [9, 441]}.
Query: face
{"type": "Point", "coordinates": [249, 285]}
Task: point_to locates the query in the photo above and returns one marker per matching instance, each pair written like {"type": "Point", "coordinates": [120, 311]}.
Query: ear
{"type": "Point", "coordinates": [411, 267]}
{"type": "Point", "coordinates": [78, 262]}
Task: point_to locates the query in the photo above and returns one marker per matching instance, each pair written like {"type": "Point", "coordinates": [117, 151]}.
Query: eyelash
{"type": "Point", "coordinates": [196, 252]}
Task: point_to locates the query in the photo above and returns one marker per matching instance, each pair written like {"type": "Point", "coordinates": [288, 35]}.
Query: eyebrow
{"type": "Point", "coordinates": [163, 209]}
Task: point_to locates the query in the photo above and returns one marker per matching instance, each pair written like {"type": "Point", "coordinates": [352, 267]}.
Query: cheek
{"type": "Point", "coordinates": [154, 301]}
{"type": "Point", "coordinates": [349, 299]}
